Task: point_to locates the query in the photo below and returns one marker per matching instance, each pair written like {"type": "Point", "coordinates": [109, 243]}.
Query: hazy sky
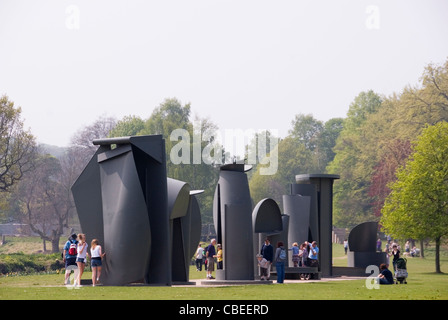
{"type": "Point", "coordinates": [244, 64]}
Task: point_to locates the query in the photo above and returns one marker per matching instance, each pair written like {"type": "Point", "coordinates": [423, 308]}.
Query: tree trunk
{"type": "Point", "coordinates": [422, 255]}
{"type": "Point", "coordinates": [55, 244]}
{"type": "Point", "coordinates": [44, 244]}
{"type": "Point", "coordinates": [438, 255]}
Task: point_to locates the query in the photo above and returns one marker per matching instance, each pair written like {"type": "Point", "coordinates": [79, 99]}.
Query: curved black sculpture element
{"type": "Point", "coordinates": [363, 237]}
{"type": "Point", "coordinates": [362, 246]}
{"type": "Point", "coordinates": [266, 217]}
{"type": "Point", "coordinates": [185, 224]}
{"type": "Point", "coordinates": [232, 216]}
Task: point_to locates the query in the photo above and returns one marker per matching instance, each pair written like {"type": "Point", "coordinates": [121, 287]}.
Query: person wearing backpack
{"type": "Point", "coordinates": [70, 253]}
{"type": "Point", "coordinates": [280, 259]}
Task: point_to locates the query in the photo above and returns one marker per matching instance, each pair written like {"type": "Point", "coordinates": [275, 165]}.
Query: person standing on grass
{"type": "Point", "coordinates": [295, 254]}
{"type": "Point", "coordinates": [210, 254]}
{"type": "Point", "coordinates": [280, 259]}
{"type": "Point", "coordinates": [313, 254]}
{"type": "Point", "coordinates": [219, 257]}
{"type": "Point", "coordinates": [263, 264]}
{"type": "Point", "coordinates": [70, 253]}
{"type": "Point", "coordinates": [96, 255]}
{"type": "Point", "coordinates": [267, 251]}
{"type": "Point", "coordinates": [81, 257]}
{"type": "Point", "coordinates": [396, 253]}
{"type": "Point", "coordinates": [199, 254]}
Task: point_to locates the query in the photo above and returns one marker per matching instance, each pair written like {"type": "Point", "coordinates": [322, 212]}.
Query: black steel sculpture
{"type": "Point", "coordinates": [149, 225]}
{"type": "Point", "coordinates": [124, 199]}
{"type": "Point", "coordinates": [362, 246]}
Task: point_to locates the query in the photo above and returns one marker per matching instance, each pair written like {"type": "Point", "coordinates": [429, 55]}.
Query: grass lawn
{"type": "Point", "coordinates": [423, 284]}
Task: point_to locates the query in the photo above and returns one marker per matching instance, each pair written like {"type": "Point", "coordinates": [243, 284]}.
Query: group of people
{"type": "Point", "coordinates": [304, 256]}
{"type": "Point", "coordinates": [392, 250]}
{"type": "Point", "coordinates": [207, 257]}
{"type": "Point", "coordinates": [75, 257]}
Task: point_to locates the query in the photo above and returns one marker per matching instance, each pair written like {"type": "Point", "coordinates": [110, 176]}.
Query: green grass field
{"type": "Point", "coordinates": [423, 284]}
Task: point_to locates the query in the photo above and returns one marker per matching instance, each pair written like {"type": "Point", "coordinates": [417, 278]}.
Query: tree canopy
{"type": "Point", "coordinates": [417, 206]}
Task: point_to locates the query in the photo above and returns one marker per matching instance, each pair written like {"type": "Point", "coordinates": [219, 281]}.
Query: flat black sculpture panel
{"type": "Point", "coordinates": [297, 207]}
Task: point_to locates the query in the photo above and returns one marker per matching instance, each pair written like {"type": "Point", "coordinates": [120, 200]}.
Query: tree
{"type": "Point", "coordinates": [326, 142]}
{"type": "Point", "coordinates": [169, 116]}
{"type": "Point", "coordinates": [417, 206]}
{"type": "Point", "coordinates": [128, 126]}
{"type": "Point", "coordinates": [396, 154]}
{"type": "Point", "coordinates": [42, 201]}
{"type": "Point", "coordinates": [17, 146]}
{"type": "Point", "coordinates": [81, 141]}
{"type": "Point", "coordinates": [306, 129]}
{"type": "Point", "coordinates": [353, 163]}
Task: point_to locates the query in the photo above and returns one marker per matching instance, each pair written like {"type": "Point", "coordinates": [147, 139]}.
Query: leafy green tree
{"type": "Point", "coordinates": [169, 116]}
{"type": "Point", "coordinates": [293, 159]}
{"type": "Point", "coordinates": [417, 207]}
{"type": "Point", "coordinates": [128, 126]}
{"type": "Point", "coordinates": [17, 146]}
{"type": "Point", "coordinates": [306, 129]}
{"type": "Point", "coordinates": [353, 163]}
{"type": "Point", "coordinates": [327, 141]}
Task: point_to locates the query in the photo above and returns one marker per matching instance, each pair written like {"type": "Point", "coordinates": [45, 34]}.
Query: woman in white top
{"type": "Point", "coordinates": [81, 256]}
{"type": "Point", "coordinates": [95, 257]}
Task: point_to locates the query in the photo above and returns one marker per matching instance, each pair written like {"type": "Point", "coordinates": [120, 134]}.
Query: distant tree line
{"type": "Point", "coordinates": [366, 148]}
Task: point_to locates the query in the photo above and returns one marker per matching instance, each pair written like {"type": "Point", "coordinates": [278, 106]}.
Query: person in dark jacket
{"type": "Point", "coordinates": [385, 276]}
{"type": "Point", "coordinates": [267, 251]}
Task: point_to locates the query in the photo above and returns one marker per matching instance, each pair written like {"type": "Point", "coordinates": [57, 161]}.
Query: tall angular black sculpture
{"type": "Point", "coordinates": [232, 215]}
{"type": "Point", "coordinates": [122, 200]}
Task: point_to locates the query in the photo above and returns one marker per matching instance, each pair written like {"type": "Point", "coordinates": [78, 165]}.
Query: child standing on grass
{"type": "Point", "coordinates": [219, 257]}
{"type": "Point", "coordinates": [95, 256]}
{"type": "Point", "coordinates": [81, 257]}
{"type": "Point", "coordinates": [264, 264]}
{"type": "Point", "coordinates": [69, 254]}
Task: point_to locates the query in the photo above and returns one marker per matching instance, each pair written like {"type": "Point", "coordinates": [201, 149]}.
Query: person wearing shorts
{"type": "Point", "coordinates": [96, 255]}
{"type": "Point", "coordinates": [211, 254]}
{"type": "Point", "coordinates": [81, 257]}
{"type": "Point", "coordinates": [70, 260]}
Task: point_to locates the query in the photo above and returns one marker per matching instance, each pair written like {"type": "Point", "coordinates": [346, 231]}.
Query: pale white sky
{"type": "Point", "coordinates": [245, 64]}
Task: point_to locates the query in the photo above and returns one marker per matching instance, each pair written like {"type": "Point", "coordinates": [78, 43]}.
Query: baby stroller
{"type": "Point", "coordinates": [400, 271]}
